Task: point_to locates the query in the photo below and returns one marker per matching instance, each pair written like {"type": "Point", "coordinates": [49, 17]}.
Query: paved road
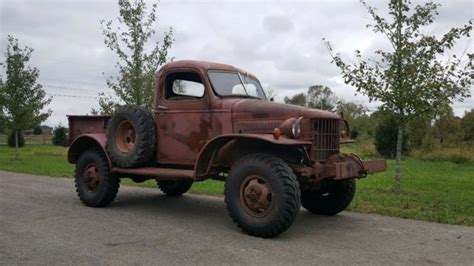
{"type": "Point", "coordinates": [42, 222]}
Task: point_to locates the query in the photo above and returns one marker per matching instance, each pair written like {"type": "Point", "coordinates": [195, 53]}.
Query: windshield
{"type": "Point", "coordinates": [235, 84]}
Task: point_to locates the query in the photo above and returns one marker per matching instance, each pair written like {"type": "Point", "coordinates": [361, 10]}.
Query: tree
{"type": "Point", "coordinates": [417, 129]}
{"type": "Point", "coordinates": [321, 97]}
{"type": "Point", "coordinates": [22, 99]}
{"type": "Point", "coordinates": [136, 66]}
{"type": "Point", "coordinates": [59, 135]}
{"type": "Point", "coordinates": [2, 119]}
{"type": "Point", "coordinates": [298, 99]}
{"type": "Point", "coordinates": [467, 124]}
{"type": "Point", "coordinates": [410, 78]}
{"type": "Point", "coordinates": [352, 112]}
{"type": "Point", "coordinates": [447, 127]}
{"type": "Point", "coordinates": [386, 137]}
{"type": "Point", "coordinates": [318, 96]}
{"type": "Point", "coordinates": [16, 138]}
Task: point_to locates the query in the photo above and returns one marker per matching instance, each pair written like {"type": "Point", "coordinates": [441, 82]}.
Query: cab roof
{"type": "Point", "coordinates": [204, 66]}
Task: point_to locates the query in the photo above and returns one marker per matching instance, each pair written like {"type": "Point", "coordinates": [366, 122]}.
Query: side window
{"type": "Point", "coordinates": [188, 88]}
{"type": "Point", "coordinates": [184, 86]}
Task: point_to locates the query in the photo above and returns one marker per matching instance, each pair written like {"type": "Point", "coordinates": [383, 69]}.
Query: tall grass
{"type": "Point", "coordinates": [457, 155]}
{"type": "Point", "coordinates": [363, 146]}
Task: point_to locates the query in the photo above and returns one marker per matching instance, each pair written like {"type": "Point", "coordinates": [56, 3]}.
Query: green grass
{"type": "Point", "coordinates": [437, 191]}
{"type": "Point", "coordinates": [36, 159]}
{"type": "Point", "coordinates": [432, 191]}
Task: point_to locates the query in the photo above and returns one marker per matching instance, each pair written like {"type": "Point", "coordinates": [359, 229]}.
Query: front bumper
{"type": "Point", "coordinates": [342, 166]}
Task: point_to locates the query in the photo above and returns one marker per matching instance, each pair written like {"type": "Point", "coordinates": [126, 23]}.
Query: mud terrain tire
{"type": "Point", "coordinates": [262, 195]}
{"type": "Point", "coordinates": [175, 188]}
{"type": "Point", "coordinates": [131, 137]}
{"type": "Point", "coordinates": [95, 185]}
{"type": "Point", "coordinates": [333, 197]}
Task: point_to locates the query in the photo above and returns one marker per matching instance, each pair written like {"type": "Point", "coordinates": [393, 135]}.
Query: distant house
{"type": "Point", "coordinates": [28, 132]}
{"type": "Point", "coordinates": [47, 131]}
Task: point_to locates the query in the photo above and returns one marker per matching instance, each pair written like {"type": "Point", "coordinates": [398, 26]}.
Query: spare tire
{"type": "Point", "coordinates": [131, 137]}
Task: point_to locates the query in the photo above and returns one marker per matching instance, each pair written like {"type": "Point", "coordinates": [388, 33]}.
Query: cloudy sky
{"type": "Point", "coordinates": [279, 41]}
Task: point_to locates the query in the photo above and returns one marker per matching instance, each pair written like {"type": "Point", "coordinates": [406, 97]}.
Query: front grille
{"type": "Point", "coordinates": [326, 133]}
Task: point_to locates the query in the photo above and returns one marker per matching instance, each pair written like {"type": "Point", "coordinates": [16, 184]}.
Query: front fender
{"type": "Point", "coordinates": [85, 142]}
{"type": "Point", "coordinates": [210, 151]}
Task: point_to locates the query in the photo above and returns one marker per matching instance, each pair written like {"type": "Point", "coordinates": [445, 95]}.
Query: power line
{"type": "Point", "coordinates": [78, 96]}
{"type": "Point", "coordinates": [71, 96]}
{"type": "Point", "coordinates": [75, 82]}
{"type": "Point", "coordinates": [95, 90]}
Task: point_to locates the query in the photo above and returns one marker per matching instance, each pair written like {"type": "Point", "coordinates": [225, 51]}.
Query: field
{"type": "Point", "coordinates": [432, 190]}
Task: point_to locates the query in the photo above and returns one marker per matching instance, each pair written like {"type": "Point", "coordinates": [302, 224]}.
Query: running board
{"type": "Point", "coordinates": [158, 173]}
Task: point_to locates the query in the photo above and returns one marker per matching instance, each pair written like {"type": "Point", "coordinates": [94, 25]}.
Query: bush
{"type": "Point", "coordinates": [60, 135]}
{"type": "Point", "coordinates": [11, 140]}
{"type": "Point", "coordinates": [428, 143]}
{"type": "Point", "coordinates": [386, 138]}
{"type": "Point", "coordinates": [354, 134]}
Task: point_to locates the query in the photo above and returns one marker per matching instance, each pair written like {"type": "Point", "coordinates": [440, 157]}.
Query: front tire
{"type": "Point", "coordinates": [262, 195]}
{"type": "Point", "coordinates": [331, 198]}
{"type": "Point", "coordinates": [175, 188]}
{"type": "Point", "coordinates": [95, 185]}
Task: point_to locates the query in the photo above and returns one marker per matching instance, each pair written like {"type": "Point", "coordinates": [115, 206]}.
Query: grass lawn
{"type": "Point", "coordinates": [438, 191]}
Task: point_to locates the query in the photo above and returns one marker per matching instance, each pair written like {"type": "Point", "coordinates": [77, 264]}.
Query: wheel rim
{"type": "Point", "coordinates": [92, 177]}
{"type": "Point", "coordinates": [125, 138]}
{"type": "Point", "coordinates": [256, 196]}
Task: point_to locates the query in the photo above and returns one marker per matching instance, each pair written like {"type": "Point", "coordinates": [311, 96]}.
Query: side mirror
{"type": "Point", "coordinates": [272, 100]}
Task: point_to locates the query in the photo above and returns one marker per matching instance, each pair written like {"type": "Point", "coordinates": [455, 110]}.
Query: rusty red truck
{"type": "Point", "coordinates": [213, 121]}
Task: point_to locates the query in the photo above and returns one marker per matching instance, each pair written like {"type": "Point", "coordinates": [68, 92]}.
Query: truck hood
{"type": "Point", "coordinates": [254, 116]}
{"type": "Point", "coordinates": [259, 109]}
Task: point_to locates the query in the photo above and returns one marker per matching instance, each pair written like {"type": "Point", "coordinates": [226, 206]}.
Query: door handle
{"type": "Point", "coordinates": [161, 107]}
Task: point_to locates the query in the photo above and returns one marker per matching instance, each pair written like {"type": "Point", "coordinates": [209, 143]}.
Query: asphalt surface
{"type": "Point", "coordinates": [43, 222]}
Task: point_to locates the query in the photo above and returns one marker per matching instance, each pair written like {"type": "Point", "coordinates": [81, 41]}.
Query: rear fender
{"type": "Point", "coordinates": [222, 151]}
{"type": "Point", "coordinates": [85, 142]}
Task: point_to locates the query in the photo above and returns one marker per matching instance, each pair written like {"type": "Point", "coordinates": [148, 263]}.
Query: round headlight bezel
{"type": "Point", "coordinates": [296, 129]}
{"type": "Point", "coordinates": [292, 127]}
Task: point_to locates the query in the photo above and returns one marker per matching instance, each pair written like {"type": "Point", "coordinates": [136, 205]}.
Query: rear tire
{"type": "Point", "coordinates": [331, 198]}
{"type": "Point", "coordinates": [175, 188]}
{"type": "Point", "coordinates": [131, 137]}
{"type": "Point", "coordinates": [95, 185]}
{"type": "Point", "coordinates": [262, 195]}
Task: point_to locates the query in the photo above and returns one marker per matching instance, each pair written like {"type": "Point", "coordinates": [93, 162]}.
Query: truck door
{"type": "Point", "coordinates": [182, 117]}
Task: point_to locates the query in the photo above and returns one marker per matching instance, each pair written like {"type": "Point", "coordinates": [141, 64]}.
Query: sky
{"type": "Point", "coordinates": [279, 41]}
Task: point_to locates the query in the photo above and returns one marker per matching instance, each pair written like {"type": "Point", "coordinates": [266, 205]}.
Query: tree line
{"type": "Point", "coordinates": [442, 129]}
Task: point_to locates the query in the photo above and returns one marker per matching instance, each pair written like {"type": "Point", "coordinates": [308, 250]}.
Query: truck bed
{"type": "Point", "coordinates": [86, 124]}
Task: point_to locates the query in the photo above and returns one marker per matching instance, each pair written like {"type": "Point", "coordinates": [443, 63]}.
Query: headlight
{"type": "Point", "coordinates": [295, 129]}
{"type": "Point", "coordinates": [291, 127]}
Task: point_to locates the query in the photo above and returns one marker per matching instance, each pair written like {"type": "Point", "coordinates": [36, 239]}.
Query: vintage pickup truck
{"type": "Point", "coordinates": [213, 121]}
